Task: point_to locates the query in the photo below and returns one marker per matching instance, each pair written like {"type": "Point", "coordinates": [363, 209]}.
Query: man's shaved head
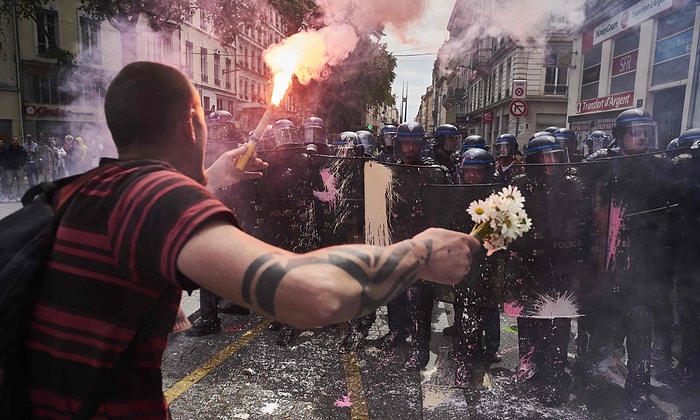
{"type": "Point", "coordinates": [144, 102]}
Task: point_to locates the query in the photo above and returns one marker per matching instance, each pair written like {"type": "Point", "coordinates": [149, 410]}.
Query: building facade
{"type": "Point", "coordinates": [55, 70]}
{"type": "Point", "coordinates": [641, 54]}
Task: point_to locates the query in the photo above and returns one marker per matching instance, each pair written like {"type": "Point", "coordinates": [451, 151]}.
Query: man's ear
{"type": "Point", "coordinates": [187, 129]}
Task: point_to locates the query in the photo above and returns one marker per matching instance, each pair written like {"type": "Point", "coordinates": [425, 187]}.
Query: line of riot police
{"type": "Point", "coordinates": [611, 244]}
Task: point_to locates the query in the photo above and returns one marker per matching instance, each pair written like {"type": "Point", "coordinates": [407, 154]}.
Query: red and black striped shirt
{"type": "Point", "coordinates": [116, 251]}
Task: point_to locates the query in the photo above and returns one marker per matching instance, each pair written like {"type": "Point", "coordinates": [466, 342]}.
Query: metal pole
{"type": "Point", "coordinates": [18, 68]}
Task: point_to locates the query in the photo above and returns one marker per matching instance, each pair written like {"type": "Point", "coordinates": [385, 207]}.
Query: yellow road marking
{"type": "Point", "coordinates": [353, 379]}
{"type": "Point", "coordinates": [186, 383]}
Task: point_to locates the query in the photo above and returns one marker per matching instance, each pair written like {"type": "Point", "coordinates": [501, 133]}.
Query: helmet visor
{"type": "Point", "coordinates": [451, 142]}
{"type": "Point", "coordinates": [314, 135]}
{"type": "Point", "coordinates": [504, 150]}
{"type": "Point", "coordinates": [639, 137]}
{"type": "Point", "coordinates": [284, 136]}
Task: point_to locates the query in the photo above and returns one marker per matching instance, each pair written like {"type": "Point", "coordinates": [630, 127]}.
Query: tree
{"type": "Point", "coordinates": [363, 81]}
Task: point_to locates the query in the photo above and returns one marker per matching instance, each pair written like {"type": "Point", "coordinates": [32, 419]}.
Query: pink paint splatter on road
{"type": "Point", "coordinates": [345, 402]}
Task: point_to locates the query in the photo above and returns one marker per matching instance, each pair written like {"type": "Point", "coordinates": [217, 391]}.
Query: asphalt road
{"type": "Point", "coordinates": [242, 374]}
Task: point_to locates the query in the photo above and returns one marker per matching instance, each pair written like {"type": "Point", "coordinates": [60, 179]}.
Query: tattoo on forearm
{"type": "Point", "coordinates": [378, 270]}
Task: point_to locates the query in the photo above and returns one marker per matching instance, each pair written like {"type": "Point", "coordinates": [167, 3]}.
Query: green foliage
{"type": "Point", "coordinates": [297, 14]}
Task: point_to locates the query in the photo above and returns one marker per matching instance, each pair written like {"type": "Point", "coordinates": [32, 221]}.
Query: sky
{"type": "Point", "coordinates": [415, 57]}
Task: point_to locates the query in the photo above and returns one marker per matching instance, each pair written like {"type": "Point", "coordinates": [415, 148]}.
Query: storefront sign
{"type": "Point", "coordinates": [625, 63]}
{"type": "Point", "coordinates": [487, 117]}
{"type": "Point", "coordinates": [673, 46]}
{"type": "Point", "coordinates": [620, 100]}
{"type": "Point", "coordinates": [629, 18]}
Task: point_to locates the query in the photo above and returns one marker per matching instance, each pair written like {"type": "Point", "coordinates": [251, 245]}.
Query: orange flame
{"type": "Point", "coordinates": [305, 54]}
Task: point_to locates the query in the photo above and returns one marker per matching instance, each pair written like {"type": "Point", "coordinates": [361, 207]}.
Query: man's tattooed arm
{"type": "Point", "coordinates": [382, 273]}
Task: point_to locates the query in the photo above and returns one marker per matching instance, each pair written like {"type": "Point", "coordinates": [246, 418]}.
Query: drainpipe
{"type": "Point", "coordinates": [18, 68]}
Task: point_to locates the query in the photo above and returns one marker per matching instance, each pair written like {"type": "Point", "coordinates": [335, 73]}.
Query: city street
{"type": "Point", "coordinates": [242, 374]}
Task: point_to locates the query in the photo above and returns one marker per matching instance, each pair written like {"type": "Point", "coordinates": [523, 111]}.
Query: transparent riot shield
{"type": "Point", "coordinates": [338, 192]}
{"type": "Point", "coordinates": [632, 203]}
{"type": "Point", "coordinates": [279, 208]}
{"type": "Point", "coordinates": [408, 217]}
{"type": "Point", "coordinates": [446, 207]}
{"type": "Point", "coordinates": [546, 267]}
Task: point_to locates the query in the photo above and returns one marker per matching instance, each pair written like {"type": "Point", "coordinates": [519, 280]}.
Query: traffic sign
{"type": "Point", "coordinates": [519, 89]}
{"type": "Point", "coordinates": [518, 108]}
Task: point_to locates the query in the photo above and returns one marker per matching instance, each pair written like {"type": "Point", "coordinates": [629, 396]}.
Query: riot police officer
{"type": "Point", "coordinates": [633, 287]}
{"type": "Point", "coordinates": [595, 141]}
{"type": "Point", "coordinates": [410, 314]}
{"type": "Point", "coordinates": [314, 134]}
{"type": "Point", "coordinates": [546, 267]}
{"type": "Point", "coordinates": [567, 137]}
{"type": "Point", "coordinates": [507, 161]}
{"type": "Point", "coordinates": [369, 144]}
{"type": "Point", "coordinates": [477, 297]}
{"type": "Point", "coordinates": [386, 143]}
{"type": "Point", "coordinates": [444, 145]}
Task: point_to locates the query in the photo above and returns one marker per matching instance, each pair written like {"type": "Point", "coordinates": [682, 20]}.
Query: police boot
{"type": "Point", "coordinates": [203, 327]}
{"type": "Point", "coordinates": [419, 357]}
{"type": "Point", "coordinates": [464, 374]}
{"type": "Point", "coordinates": [353, 339]}
{"type": "Point", "coordinates": [390, 340]}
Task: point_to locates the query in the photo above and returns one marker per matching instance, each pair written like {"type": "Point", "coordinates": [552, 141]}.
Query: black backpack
{"type": "Point", "coordinates": [26, 239]}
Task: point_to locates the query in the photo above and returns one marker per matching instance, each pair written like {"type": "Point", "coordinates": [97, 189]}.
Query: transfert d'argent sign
{"type": "Point", "coordinates": [629, 18]}
{"type": "Point", "coordinates": [606, 103]}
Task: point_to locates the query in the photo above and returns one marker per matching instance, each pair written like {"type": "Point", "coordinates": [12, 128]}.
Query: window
{"type": "Point", "coordinates": [227, 73]}
{"type": "Point", "coordinates": [203, 20]}
{"type": "Point", "coordinates": [203, 62]}
{"type": "Point", "coordinates": [90, 40]}
{"type": "Point", "coordinates": [557, 61]}
{"type": "Point", "coordinates": [206, 102]}
{"type": "Point", "coordinates": [189, 58]}
{"type": "Point", "coordinates": [217, 70]}
{"type": "Point", "coordinates": [591, 73]}
{"type": "Point", "coordinates": [219, 104]}
{"type": "Point", "coordinates": [229, 106]}
{"type": "Point", "coordinates": [45, 90]}
{"type": "Point", "coordinates": [624, 64]}
{"type": "Point", "coordinates": [672, 50]}
{"type": "Point", "coordinates": [46, 31]}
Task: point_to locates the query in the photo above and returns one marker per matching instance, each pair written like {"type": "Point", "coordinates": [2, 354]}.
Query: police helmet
{"type": "Point", "coordinates": [673, 144]}
{"type": "Point", "coordinates": [635, 131]}
{"type": "Point", "coordinates": [408, 132]}
{"type": "Point", "coordinates": [544, 148]}
{"type": "Point", "coordinates": [285, 134]}
{"type": "Point", "coordinates": [474, 140]}
{"type": "Point", "coordinates": [367, 141]}
{"type": "Point", "coordinates": [347, 139]}
{"type": "Point", "coordinates": [551, 129]}
{"type": "Point", "coordinates": [506, 146]}
{"type": "Point", "coordinates": [447, 137]}
{"type": "Point", "coordinates": [598, 140]}
{"type": "Point", "coordinates": [387, 134]}
{"type": "Point", "coordinates": [475, 166]}
{"type": "Point", "coordinates": [313, 130]}
{"type": "Point", "coordinates": [689, 137]}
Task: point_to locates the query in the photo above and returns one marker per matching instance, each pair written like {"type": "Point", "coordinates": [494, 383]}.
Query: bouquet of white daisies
{"type": "Point", "coordinates": [499, 219]}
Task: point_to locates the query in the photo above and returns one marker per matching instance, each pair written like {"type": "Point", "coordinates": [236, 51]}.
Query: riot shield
{"type": "Point", "coordinates": [338, 193]}
{"type": "Point", "coordinates": [408, 217]}
{"type": "Point", "coordinates": [547, 266]}
{"type": "Point", "coordinates": [278, 208]}
{"type": "Point", "coordinates": [446, 207]}
{"type": "Point", "coordinates": [632, 203]}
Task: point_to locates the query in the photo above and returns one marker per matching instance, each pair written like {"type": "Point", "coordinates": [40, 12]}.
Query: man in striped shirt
{"type": "Point", "coordinates": [146, 225]}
